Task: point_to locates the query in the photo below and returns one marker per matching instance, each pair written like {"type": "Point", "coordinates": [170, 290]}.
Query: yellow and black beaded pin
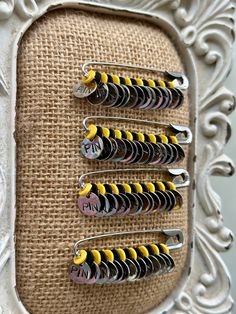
{"type": "Point", "coordinates": [111, 90]}
{"type": "Point", "coordinates": [106, 266]}
{"type": "Point", "coordinates": [134, 147]}
{"type": "Point", "coordinates": [132, 198]}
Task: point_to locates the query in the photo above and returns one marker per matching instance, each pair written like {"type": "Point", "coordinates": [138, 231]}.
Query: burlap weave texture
{"type": "Point", "coordinates": [48, 136]}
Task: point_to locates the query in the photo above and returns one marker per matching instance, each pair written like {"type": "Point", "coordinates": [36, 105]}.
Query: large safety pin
{"type": "Point", "coordinates": [182, 133]}
{"type": "Point", "coordinates": [167, 232]}
{"type": "Point", "coordinates": [181, 176]}
{"type": "Point", "coordinates": [179, 79]}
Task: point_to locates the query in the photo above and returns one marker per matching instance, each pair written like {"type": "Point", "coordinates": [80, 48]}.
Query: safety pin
{"type": "Point", "coordinates": [183, 133]}
{"type": "Point", "coordinates": [181, 176]}
{"type": "Point", "coordinates": [176, 76]}
{"type": "Point", "coordinates": [167, 232]}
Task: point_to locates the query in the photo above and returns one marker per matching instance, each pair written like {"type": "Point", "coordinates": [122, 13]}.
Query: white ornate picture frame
{"type": "Point", "coordinates": [205, 32]}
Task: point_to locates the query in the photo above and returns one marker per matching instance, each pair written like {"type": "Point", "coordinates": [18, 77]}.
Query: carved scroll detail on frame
{"type": "Point", "coordinates": [25, 9]}
{"type": "Point", "coordinates": [205, 29]}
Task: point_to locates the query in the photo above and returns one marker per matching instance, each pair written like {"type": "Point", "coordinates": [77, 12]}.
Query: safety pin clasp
{"type": "Point", "coordinates": [183, 133]}
{"type": "Point", "coordinates": [181, 177]}
{"type": "Point", "coordinates": [179, 79]}
{"type": "Point", "coordinates": [172, 245]}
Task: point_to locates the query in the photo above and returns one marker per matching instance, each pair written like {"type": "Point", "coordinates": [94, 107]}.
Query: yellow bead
{"type": "Point", "coordinates": [105, 132]}
{"type": "Point", "coordinates": [171, 84]}
{"type": "Point", "coordinates": [104, 78]}
{"type": "Point", "coordinates": [128, 81]}
{"type": "Point", "coordinates": [122, 254]}
{"type": "Point", "coordinates": [90, 78]}
{"type": "Point", "coordinates": [86, 190]}
{"type": "Point", "coordinates": [127, 188]}
{"type": "Point", "coordinates": [143, 250]}
{"type": "Point", "coordinates": [138, 187]}
{"type": "Point", "coordinates": [101, 188]}
{"type": "Point", "coordinates": [129, 135]}
{"type": "Point", "coordinates": [115, 79]}
{"type": "Point", "coordinates": [139, 81]}
{"type": "Point", "coordinates": [118, 134]}
{"type": "Point", "coordinates": [164, 139]}
{"type": "Point", "coordinates": [151, 187]}
{"type": "Point", "coordinates": [161, 186]}
{"type": "Point", "coordinates": [162, 83]}
{"type": "Point", "coordinates": [152, 138]}
{"type": "Point", "coordinates": [174, 139]}
{"type": "Point", "coordinates": [151, 83]}
{"type": "Point", "coordinates": [78, 260]}
{"type": "Point", "coordinates": [171, 185]}
{"type": "Point", "coordinates": [141, 137]}
{"type": "Point", "coordinates": [114, 188]}
{"type": "Point", "coordinates": [133, 253]}
{"type": "Point", "coordinates": [176, 207]}
{"type": "Point", "coordinates": [155, 248]}
{"type": "Point", "coordinates": [109, 255]}
{"type": "Point", "coordinates": [96, 256]}
{"type": "Point", "coordinates": [165, 248]}
{"type": "Point", "coordinates": [92, 131]}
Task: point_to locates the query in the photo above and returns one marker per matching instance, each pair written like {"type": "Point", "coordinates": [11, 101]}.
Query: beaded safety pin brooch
{"type": "Point", "coordinates": [129, 147]}
{"type": "Point", "coordinates": [110, 90]}
{"type": "Point", "coordinates": [106, 266]}
{"type": "Point", "coordinates": [120, 199]}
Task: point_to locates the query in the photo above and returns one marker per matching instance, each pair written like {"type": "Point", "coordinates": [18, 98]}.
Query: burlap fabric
{"type": "Point", "coordinates": [48, 136]}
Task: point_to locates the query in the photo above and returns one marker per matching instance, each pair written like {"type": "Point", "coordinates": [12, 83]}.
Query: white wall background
{"type": "Point", "coordinates": [226, 187]}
